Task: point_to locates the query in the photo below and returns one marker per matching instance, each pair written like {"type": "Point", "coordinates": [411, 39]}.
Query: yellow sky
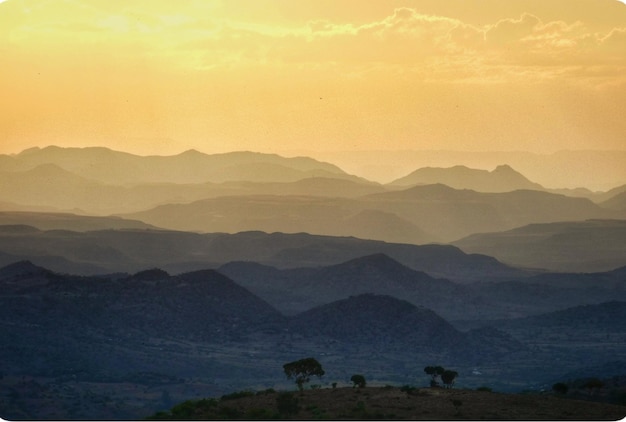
{"type": "Point", "coordinates": [159, 77]}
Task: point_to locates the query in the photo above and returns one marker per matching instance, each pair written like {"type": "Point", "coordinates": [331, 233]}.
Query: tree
{"type": "Point", "coordinates": [434, 372]}
{"type": "Point", "coordinates": [560, 388]}
{"type": "Point", "coordinates": [358, 380]}
{"type": "Point", "coordinates": [448, 378]}
{"type": "Point", "coordinates": [593, 384]}
{"type": "Point", "coordinates": [302, 370]}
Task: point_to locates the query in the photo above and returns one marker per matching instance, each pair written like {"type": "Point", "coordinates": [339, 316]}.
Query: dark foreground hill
{"type": "Point", "coordinates": [391, 403]}
{"type": "Point", "coordinates": [123, 346]}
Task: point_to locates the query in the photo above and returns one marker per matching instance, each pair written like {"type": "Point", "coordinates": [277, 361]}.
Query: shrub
{"type": "Point", "coordinates": [560, 388]}
{"type": "Point", "coordinates": [287, 404]}
{"type": "Point", "coordinates": [236, 395]}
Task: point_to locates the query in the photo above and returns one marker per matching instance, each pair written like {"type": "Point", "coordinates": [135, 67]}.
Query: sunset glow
{"type": "Point", "coordinates": [159, 77]}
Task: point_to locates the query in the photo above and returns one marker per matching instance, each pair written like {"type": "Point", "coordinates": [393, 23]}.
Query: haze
{"type": "Point", "coordinates": [321, 78]}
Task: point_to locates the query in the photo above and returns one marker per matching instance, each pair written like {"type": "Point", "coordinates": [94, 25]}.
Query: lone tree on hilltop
{"type": "Point", "coordinates": [560, 388]}
{"type": "Point", "coordinates": [593, 384]}
{"type": "Point", "coordinates": [358, 380]}
{"type": "Point", "coordinates": [448, 378]}
{"type": "Point", "coordinates": [302, 370]}
{"type": "Point", "coordinates": [434, 372]}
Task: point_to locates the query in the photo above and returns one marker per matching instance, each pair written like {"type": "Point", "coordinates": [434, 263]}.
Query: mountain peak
{"type": "Point", "coordinates": [502, 179]}
{"type": "Point", "coordinates": [504, 167]}
{"type": "Point", "coordinates": [378, 260]}
{"type": "Point", "coordinates": [21, 268]}
{"type": "Point", "coordinates": [153, 274]}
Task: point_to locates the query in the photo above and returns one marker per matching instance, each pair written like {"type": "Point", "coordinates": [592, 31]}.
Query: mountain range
{"type": "Point", "coordinates": [245, 191]}
{"type": "Point", "coordinates": [591, 245]}
{"type": "Point", "coordinates": [130, 250]}
{"type": "Point", "coordinates": [420, 214]}
{"type": "Point", "coordinates": [502, 179]}
{"type": "Point", "coordinates": [298, 289]}
{"type": "Point", "coordinates": [94, 337]}
{"type": "Point", "coordinates": [119, 168]}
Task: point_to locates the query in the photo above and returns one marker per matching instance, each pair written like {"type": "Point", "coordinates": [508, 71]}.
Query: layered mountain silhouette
{"type": "Point", "coordinates": [130, 250]}
{"type": "Point", "coordinates": [119, 168]}
{"type": "Point", "coordinates": [296, 290]}
{"type": "Point", "coordinates": [102, 181]}
{"type": "Point", "coordinates": [151, 332]}
{"type": "Point", "coordinates": [502, 179]}
{"type": "Point", "coordinates": [384, 322]}
{"type": "Point", "coordinates": [69, 316]}
{"type": "Point", "coordinates": [592, 245]}
{"type": "Point", "coordinates": [67, 221]}
{"type": "Point", "coordinates": [252, 191]}
{"type": "Point", "coordinates": [416, 215]}
{"type": "Point", "coordinates": [598, 318]}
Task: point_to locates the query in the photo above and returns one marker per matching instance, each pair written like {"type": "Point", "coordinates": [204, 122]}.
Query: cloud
{"type": "Point", "coordinates": [406, 41]}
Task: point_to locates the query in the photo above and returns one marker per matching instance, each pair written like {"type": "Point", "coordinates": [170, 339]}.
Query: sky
{"type": "Point", "coordinates": [159, 77]}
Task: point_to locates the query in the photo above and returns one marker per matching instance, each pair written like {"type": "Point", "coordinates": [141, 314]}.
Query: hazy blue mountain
{"type": "Point", "coordinates": [198, 305]}
{"type": "Point", "coordinates": [380, 319]}
{"type": "Point", "coordinates": [107, 251]}
{"type": "Point", "coordinates": [600, 318]}
{"type": "Point", "coordinates": [544, 293]}
{"type": "Point", "coordinates": [296, 290]}
{"type": "Point", "coordinates": [592, 245]}
{"type": "Point", "coordinates": [120, 345]}
{"type": "Point", "coordinates": [502, 179]}
{"type": "Point", "coordinates": [386, 323]}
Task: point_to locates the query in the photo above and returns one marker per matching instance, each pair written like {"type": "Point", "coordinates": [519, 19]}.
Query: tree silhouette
{"type": "Point", "coordinates": [358, 380]}
{"type": "Point", "coordinates": [448, 378]}
{"type": "Point", "coordinates": [302, 370]}
{"type": "Point", "coordinates": [593, 384]}
{"type": "Point", "coordinates": [434, 372]}
{"type": "Point", "coordinates": [560, 388]}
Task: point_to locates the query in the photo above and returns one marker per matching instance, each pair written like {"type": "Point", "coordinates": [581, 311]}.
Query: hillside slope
{"type": "Point", "coordinates": [592, 245]}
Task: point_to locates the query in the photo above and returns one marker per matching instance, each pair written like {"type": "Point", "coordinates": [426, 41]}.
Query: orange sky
{"type": "Point", "coordinates": [159, 77]}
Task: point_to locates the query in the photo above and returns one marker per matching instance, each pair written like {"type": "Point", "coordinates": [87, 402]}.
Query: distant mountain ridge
{"type": "Point", "coordinates": [103, 181]}
{"type": "Point", "coordinates": [114, 167]}
{"type": "Point", "coordinates": [295, 290]}
{"type": "Point", "coordinates": [299, 289]}
{"type": "Point", "coordinates": [590, 245]}
{"type": "Point", "coordinates": [130, 250]}
{"type": "Point", "coordinates": [385, 323]}
{"type": "Point", "coordinates": [502, 179]}
{"type": "Point", "coordinates": [420, 214]}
